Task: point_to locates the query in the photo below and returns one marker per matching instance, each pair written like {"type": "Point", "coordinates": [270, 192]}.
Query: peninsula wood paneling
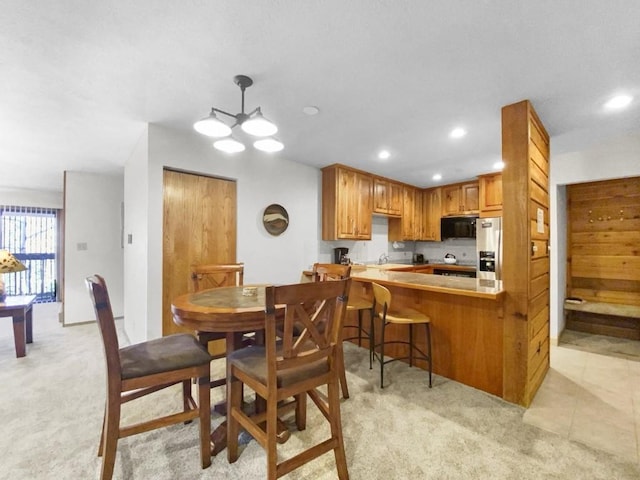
{"type": "Point", "coordinates": [525, 178]}
{"type": "Point", "coordinates": [467, 335]}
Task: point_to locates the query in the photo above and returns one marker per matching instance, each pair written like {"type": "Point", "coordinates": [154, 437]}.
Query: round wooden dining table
{"type": "Point", "coordinates": [228, 310]}
{"type": "Point", "coordinates": [221, 310]}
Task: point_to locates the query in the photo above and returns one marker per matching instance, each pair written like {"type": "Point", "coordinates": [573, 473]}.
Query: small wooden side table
{"type": "Point", "coordinates": [20, 308]}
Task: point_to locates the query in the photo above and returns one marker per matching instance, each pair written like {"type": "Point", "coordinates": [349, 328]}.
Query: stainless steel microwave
{"type": "Point", "coordinates": [458, 227]}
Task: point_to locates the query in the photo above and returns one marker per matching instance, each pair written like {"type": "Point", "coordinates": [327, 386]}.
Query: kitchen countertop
{"type": "Point", "coordinates": [470, 287]}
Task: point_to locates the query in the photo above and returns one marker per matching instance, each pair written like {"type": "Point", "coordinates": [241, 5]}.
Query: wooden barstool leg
{"type": "Point", "coordinates": [428, 327]}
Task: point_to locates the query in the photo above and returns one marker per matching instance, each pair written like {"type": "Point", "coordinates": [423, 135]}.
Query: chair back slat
{"type": "Point", "coordinates": [216, 276]}
{"type": "Point", "coordinates": [330, 271]}
{"type": "Point", "coordinates": [106, 323]}
{"type": "Point", "coordinates": [313, 317]}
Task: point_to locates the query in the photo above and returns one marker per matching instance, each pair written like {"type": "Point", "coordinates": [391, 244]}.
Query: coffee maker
{"type": "Point", "coordinates": [340, 255]}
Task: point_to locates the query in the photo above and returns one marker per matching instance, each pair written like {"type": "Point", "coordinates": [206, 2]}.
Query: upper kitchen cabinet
{"type": "Point", "coordinates": [404, 228]}
{"type": "Point", "coordinates": [491, 195]}
{"type": "Point", "coordinates": [432, 208]}
{"type": "Point", "coordinates": [460, 199]}
{"type": "Point", "coordinates": [387, 197]}
{"type": "Point", "coordinates": [346, 204]}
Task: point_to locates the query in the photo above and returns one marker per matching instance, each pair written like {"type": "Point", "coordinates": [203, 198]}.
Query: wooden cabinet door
{"type": "Point", "coordinates": [362, 206]}
{"type": "Point", "coordinates": [451, 201]}
{"type": "Point", "coordinates": [346, 201]}
{"type": "Point", "coordinates": [380, 196]}
{"type": "Point", "coordinates": [460, 199]}
{"type": "Point", "coordinates": [395, 199]}
{"type": "Point", "coordinates": [387, 197]}
{"type": "Point", "coordinates": [347, 204]}
{"type": "Point", "coordinates": [491, 195]}
{"type": "Point", "coordinates": [469, 194]}
{"type": "Point", "coordinates": [419, 227]}
{"type": "Point", "coordinates": [433, 213]}
{"type": "Point", "coordinates": [408, 207]}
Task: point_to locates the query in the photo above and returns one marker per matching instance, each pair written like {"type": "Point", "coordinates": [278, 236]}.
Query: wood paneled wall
{"type": "Point", "coordinates": [525, 178]}
{"type": "Point", "coordinates": [604, 241]}
{"type": "Point", "coordinates": [603, 261]}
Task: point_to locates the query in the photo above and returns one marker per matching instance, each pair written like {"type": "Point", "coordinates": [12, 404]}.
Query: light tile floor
{"type": "Point", "coordinates": [592, 397]}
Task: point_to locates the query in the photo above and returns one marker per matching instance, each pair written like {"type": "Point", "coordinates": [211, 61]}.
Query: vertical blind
{"type": "Point", "coordinates": [30, 234]}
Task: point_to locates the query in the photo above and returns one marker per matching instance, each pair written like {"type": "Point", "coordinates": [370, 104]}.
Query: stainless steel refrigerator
{"type": "Point", "coordinates": [489, 248]}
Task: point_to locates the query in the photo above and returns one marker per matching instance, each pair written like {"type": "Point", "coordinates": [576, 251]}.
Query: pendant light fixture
{"type": "Point", "coordinates": [253, 123]}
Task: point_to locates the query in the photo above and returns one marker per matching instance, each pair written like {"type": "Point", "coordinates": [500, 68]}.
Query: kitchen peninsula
{"type": "Point", "coordinates": [466, 322]}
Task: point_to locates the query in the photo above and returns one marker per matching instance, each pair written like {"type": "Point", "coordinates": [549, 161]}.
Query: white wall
{"type": "Point", "coordinates": [93, 209]}
{"type": "Point", "coordinates": [136, 277]}
{"type": "Point", "coordinates": [31, 198]}
{"type": "Point", "coordinates": [617, 158]}
{"type": "Point", "coordinates": [262, 179]}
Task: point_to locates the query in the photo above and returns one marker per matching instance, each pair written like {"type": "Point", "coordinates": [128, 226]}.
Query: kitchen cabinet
{"type": "Point", "coordinates": [387, 197]}
{"type": "Point", "coordinates": [460, 199]}
{"type": "Point", "coordinates": [419, 226]}
{"type": "Point", "coordinates": [432, 207]}
{"type": "Point", "coordinates": [346, 204]}
{"type": "Point", "coordinates": [404, 228]}
{"type": "Point", "coordinates": [490, 195]}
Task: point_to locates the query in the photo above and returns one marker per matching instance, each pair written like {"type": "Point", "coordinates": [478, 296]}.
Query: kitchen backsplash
{"type": "Point", "coordinates": [399, 252]}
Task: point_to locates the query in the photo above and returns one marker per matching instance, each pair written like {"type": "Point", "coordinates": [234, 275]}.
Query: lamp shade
{"type": "Point", "coordinates": [9, 263]}
{"type": "Point", "coordinates": [228, 145]}
{"type": "Point", "coordinates": [258, 126]}
{"type": "Point", "coordinates": [269, 145]}
{"type": "Point", "coordinates": [211, 126]}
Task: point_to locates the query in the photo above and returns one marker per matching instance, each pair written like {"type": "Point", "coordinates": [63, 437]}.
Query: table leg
{"type": "Point", "coordinates": [19, 334]}
{"type": "Point", "coordinates": [29, 325]}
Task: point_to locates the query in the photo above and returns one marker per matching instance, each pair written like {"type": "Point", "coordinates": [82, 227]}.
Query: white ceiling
{"type": "Point", "coordinates": [81, 78]}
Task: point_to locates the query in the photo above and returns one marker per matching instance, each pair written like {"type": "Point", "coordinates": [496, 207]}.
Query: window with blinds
{"type": "Point", "coordinates": [30, 234]}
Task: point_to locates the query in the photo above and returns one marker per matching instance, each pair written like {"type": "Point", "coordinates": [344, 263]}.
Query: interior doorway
{"type": "Point", "coordinates": [199, 226]}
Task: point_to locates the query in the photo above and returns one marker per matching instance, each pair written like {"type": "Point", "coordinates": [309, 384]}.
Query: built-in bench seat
{"type": "Point", "coordinates": [614, 319]}
{"type": "Point", "coordinates": [602, 308]}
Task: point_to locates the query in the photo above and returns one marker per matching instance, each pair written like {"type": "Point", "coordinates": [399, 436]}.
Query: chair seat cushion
{"type": "Point", "coordinates": [359, 303]}
{"type": "Point", "coordinates": [253, 361]}
{"type": "Point", "coordinates": [406, 315]}
{"type": "Point", "coordinates": [162, 355]}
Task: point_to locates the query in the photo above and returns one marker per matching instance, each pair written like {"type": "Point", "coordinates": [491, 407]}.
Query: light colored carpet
{"type": "Point", "coordinates": [52, 403]}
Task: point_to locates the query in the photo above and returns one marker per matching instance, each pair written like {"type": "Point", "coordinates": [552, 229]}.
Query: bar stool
{"type": "Point", "coordinates": [402, 316]}
{"type": "Point", "coordinates": [361, 304]}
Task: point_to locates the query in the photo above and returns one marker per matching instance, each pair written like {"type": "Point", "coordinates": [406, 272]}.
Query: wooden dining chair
{"type": "Point", "coordinates": [215, 276]}
{"type": "Point", "coordinates": [294, 365]}
{"type": "Point", "coordinates": [332, 271]}
{"type": "Point", "coordinates": [138, 370]}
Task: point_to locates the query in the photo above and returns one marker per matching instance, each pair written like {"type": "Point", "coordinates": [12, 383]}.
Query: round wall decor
{"type": "Point", "coordinates": [275, 219]}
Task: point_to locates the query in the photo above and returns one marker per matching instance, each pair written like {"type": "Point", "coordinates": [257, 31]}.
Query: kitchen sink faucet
{"type": "Point", "coordinates": [384, 258]}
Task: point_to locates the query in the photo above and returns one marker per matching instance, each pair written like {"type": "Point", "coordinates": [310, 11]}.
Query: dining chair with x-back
{"type": "Point", "coordinates": [144, 368]}
{"type": "Point", "coordinates": [299, 356]}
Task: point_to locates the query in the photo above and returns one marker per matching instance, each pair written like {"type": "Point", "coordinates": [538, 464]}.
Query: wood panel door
{"type": "Point", "coordinates": [199, 226]}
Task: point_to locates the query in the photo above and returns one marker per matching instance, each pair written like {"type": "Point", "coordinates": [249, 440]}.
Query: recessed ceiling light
{"type": "Point", "coordinates": [383, 154]}
{"type": "Point", "coordinates": [310, 110]}
{"type": "Point", "coordinates": [619, 101]}
{"type": "Point", "coordinates": [498, 165]}
{"type": "Point", "coordinates": [458, 132]}
{"type": "Point", "coordinates": [437, 176]}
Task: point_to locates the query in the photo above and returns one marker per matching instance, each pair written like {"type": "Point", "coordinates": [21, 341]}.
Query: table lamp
{"type": "Point", "coordinates": [8, 264]}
